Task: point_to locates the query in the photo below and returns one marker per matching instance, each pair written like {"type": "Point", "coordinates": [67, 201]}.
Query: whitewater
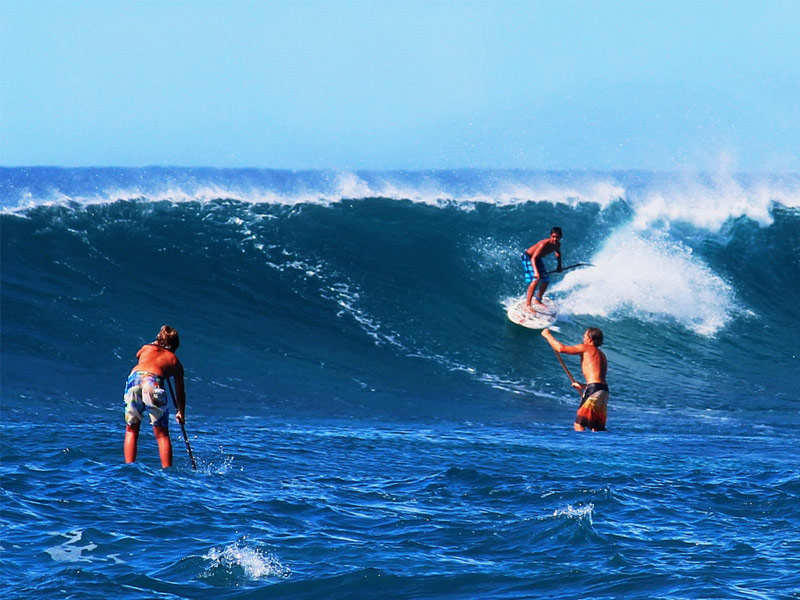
{"type": "Point", "coordinates": [366, 420]}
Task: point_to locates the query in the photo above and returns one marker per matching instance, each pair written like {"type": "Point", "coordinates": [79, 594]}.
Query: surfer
{"type": "Point", "coordinates": [535, 273]}
{"type": "Point", "coordinates": [594, 364]}
{"type": "Point", "coordinates": [145, 393]}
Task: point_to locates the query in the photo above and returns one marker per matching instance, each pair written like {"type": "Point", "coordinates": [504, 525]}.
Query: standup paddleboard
{"type": "Point", "coordinates": [541, 318]}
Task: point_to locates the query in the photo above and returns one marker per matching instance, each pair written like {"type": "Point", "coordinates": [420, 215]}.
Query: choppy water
{"type": "Point", "coordinates": [366, 420]}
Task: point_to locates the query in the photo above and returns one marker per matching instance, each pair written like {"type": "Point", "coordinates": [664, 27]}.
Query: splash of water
{"type": "Point", "coordinates": [252, 563]}
{"type": "Point", "coordinates": [649, 277]}
{"type": "Point", "coordinates": [575, 512]}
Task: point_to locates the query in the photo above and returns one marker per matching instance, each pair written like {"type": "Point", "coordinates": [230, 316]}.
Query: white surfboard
{"type": "Point", "coordinates": [541, 318]}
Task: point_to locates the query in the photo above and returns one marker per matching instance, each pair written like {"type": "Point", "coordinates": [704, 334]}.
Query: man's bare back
{"type": "Point", "coordinates": [593, 363]}
{"type": "Point", "coordinates": [159, 361]}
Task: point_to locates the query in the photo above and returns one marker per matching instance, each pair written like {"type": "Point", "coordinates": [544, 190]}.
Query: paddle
{"type": "Point", "coordinates": [183, 429]}
{"type": "Point", "coordinates": [575, 266]}
{"type": "Point", "coordinates": [566, 370]}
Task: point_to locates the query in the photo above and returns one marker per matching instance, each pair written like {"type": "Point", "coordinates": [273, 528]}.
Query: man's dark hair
{"type": "Point", "coordinates": [595, 335]}
{"type": "Point", "coordinates": [168, 338]}
{"type": "Point", "coordinates": [557, 231]}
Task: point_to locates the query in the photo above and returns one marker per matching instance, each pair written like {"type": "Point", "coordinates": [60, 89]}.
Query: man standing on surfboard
{"type": "Point", "coordinates": [594, 364]}
{"type": "Point", "coordinates": [535, 273]}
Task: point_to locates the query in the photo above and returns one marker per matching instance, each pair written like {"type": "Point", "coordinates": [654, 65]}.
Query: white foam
{"type": "Point", "coordinates": [704, 201]}
{"type": "Point", "coordinates": [650, 277]}
{"type": "Point", "coordinates": [70, 551]}
{"type": "Point", "coordinates": [601, 192]}
{"type": "Point", "coordinates": [575, 512]}
{"type": "Point", "coordinates": [328, 188]}
{"type": "Point", "coordinates": [350, 185]}
{"type": "Point", "coordinates": [254, 562]}
{"type": "Point", "coordinates": [708, 203]}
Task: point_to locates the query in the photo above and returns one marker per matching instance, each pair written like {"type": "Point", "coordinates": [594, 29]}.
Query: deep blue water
{"type": "Point", "coordinates": [367, 422]}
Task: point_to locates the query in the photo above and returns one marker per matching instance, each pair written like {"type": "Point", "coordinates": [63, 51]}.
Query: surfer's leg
{"type": "Point", "coordinates": [164, 445]}
{"type": "Point", "coordinates": [544, 280]}
{"type": "Point", "coordinates": [530, 279]}
{"type": "Point", "coordinates": [542, 288]}
{"type": "Point", "coordinates": [529, 296]}
{"type": "Point", "coordinates": [134, 407]}
{"type": "Point", "coordinates": [578, 427]}
{"type": "Point", "coordinates": [131, 440]}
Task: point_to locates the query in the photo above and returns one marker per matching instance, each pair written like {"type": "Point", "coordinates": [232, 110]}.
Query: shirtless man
{"type": "Point", "coordinates": [145, 393]}
{"type": "Point", "coordinates": [594, 400]}
{"type": "Point", "coordinates": [535, 272]}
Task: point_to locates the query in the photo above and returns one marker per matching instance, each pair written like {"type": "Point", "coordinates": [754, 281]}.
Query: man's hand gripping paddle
{"type": "Point", "coordinates": [183, 429]}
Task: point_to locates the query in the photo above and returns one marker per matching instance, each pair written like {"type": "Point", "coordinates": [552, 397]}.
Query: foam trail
{"type": "Point", "coordinates": [651, 278]}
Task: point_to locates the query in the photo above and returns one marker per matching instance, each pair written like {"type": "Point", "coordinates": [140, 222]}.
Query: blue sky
{"type": "Point", "coordinates": [401, 84]}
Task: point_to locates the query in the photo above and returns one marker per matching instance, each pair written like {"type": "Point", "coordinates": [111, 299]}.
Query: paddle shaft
{"type": "Point", "coordinates": [183, 429]}
{"type": "Point", "coordinates": [568, 268]}
{"type": "Point", "coordinates": [566, 370]}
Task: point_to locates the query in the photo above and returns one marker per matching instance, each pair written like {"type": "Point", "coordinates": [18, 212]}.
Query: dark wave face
{"type": "Point", "coordinates": [300, 294]}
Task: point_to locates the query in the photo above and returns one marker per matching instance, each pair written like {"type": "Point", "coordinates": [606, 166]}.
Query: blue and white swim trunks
{"type": "Point", "coordinates": [528, 267]}
{"type": "Point", "coordinates": [145, 393]}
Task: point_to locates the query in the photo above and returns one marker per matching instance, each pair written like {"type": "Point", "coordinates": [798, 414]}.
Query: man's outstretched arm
{"type": "Point", "coordinates": [559, 347]}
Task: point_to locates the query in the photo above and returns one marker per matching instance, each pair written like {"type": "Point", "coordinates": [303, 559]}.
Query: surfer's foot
{"type": "Point", "coordinates": [538, 302]}
{"type": "Point", "coordinates": [529, 308]}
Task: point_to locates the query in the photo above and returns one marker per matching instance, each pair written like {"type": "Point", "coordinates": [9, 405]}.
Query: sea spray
{"type": "Point", "coordinates": [649, 277]}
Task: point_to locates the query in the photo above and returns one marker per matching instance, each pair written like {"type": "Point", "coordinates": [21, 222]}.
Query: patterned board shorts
{"type": "Point", "coordinates": [594, 407]}
{"type": "Point", "coordinates": [528, 267]}
{"type": "Point", "coordinates": [145, 393]}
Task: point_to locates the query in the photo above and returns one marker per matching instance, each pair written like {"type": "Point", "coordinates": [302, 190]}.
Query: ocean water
{"type": "Point", "coordinates": [367, 423]}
